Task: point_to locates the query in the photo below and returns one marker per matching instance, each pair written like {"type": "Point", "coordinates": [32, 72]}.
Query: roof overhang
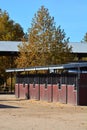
{"type": "Point", "coordinates": [53, 67]}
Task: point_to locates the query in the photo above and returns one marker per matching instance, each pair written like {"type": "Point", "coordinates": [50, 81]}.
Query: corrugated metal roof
{"type": "Point", "coordinates": [9, 46]}
{"type": "Point", "coordinates": [12, 46]}
{"type": "Point", "coordinates": [78, 47]}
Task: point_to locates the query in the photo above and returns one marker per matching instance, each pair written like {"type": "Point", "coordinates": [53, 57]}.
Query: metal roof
{"type": "Point", "coordinates": [12, 46]}
{"type": "Point", "coordinates": [52, 67]}
{"type": "Point", "coordinates": [78, 47]}
{"type": "Point", "coordinates": [9, 46]}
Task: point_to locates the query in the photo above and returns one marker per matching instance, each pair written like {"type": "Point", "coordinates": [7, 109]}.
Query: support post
{"type": "Point", "coordinates": [78, 84]}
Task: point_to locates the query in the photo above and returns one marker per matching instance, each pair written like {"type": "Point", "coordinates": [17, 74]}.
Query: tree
{"type": "Point", "coordinates": [46, 44]}
{"type": "Point", "coordinates": [9, 30]}
{"type": "Point", "coordinates": [85, 38]}
{"type": "Point", "coordinates": [4, 63]}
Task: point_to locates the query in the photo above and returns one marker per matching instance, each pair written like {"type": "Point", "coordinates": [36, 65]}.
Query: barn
{"type": "Point", "coordinates": [66, 83]}
{"type": "Point", "coordinates": [10, 49]}
{"type": "Point", "coordinates": [61, 83]}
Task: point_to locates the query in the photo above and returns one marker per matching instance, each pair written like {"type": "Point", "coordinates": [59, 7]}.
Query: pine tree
{"type": "Point", "coordinates": [9, 30]}
{"type": "Point", "coordinates": [85, 38]}
{"type": "Point", "coordinates": [46, 43]}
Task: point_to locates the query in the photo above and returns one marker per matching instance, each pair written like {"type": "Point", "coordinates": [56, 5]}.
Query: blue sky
{"type": "Point", "coordinates": [71, 15]}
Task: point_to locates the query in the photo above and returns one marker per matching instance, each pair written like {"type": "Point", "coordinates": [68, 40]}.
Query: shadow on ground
{"type": "Point", "coordinates": [6, 106]}
{"type": "Point", "coordinates": [4, 100]}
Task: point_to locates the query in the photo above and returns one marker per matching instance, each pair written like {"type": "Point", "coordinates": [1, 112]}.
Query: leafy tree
{"type": "Point", "coordinates": [46, 44]}
{"type": "Point", "coordinates": [9, 30]}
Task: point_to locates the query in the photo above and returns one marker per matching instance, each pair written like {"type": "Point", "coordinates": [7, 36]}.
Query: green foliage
{"type": "Point", "coordinates": [85, 38]}
{"type": "Point", "coordinates": [46, 44]}
{"type": "Point", "coordinates": [9, 30]}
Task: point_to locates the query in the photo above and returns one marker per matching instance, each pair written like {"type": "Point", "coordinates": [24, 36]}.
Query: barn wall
{"type": "Point", "coordinates": [71, 95]}
{"type": "Point", "coordinates": [82, 95]}
{"type": "Point", "coordinates": [16, 90]}
{"type": "Point", "coordinates": [62, 94]}
{"type": "Point", "coordinates": [34, 91]}
{"type": "Point", "coordinates": [49, 93]}
{"type": "Point", "coordinates": [66, 94]}
{"type": "Point", "coordinates": [26, 91]}
{"type": "Point", "coordinates": [21, 91]}
{"type": "Point", "coordinates": [46, 92]}
{"type": "Point", "coordinates": [55, 93]}
{"type": "Point", "coordinates": [42, 86]}
{"type": "Point", "coordinates": [82, 90]}
{"type": "Point", "coordinates": [83, 80]}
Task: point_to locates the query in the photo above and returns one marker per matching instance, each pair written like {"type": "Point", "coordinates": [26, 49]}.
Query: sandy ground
{"type": "Point", "coordinates": [18, 114]}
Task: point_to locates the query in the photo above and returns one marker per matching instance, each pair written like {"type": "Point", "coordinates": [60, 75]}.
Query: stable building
{"type": "Point", "coordinates": [69, 86]}
{"type": "Point", "coordinates": [65, 83]}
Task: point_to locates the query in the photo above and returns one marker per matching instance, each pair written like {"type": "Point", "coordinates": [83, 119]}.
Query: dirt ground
{"type": "Point", "coordinates": [20, 114]}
